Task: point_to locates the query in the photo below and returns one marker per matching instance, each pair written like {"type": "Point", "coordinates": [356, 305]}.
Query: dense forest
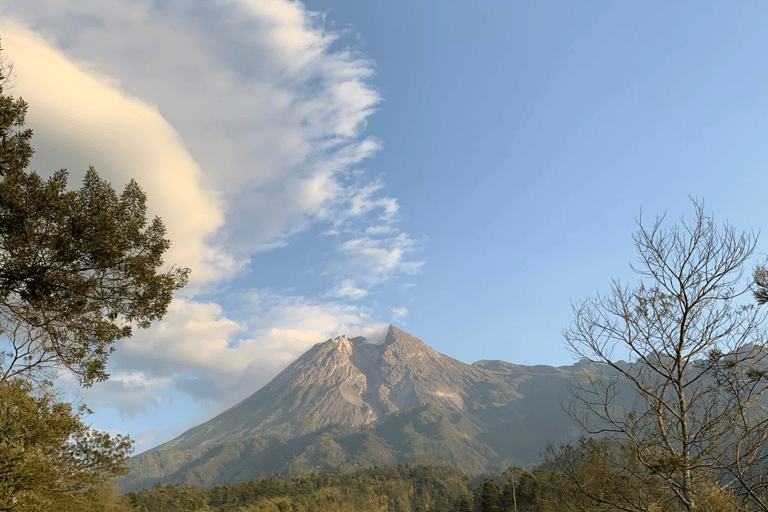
{"type": "Point", "coordinates": [547, 487]}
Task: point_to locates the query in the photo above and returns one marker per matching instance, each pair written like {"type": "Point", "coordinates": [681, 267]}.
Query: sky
{"type": "Point", "coordinates": [463, 170]}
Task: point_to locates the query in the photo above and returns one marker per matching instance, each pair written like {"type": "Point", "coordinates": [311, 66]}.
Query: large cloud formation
{"type": "Point", "coordinates": [244, 122]}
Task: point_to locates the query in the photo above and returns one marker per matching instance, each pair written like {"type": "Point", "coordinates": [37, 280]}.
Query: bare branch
{"type": "Point", "coordinates": [696, 361]}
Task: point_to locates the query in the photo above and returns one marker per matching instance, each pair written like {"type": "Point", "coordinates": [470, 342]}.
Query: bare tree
{"type": "Point", "coordinates": [678, 362]}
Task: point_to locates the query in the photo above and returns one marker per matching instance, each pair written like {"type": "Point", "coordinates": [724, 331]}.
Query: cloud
{"type": "Point", "coordinates": [269, 114]}
{"type": "Point", "coordinates": [146, 438]}
{"type": "Point", "coordinates": [377, 260]}
{"type": "Point", "coordinates": [268, 110]}
{"type": "Point", "coordinates": [136, 391]}
{"type": "Point", "coordinates": [248, 131]}
{"type": "Point", "coordinates": [195, 349]}
{"type": "Point", "coordinates": [347, 288]}
{"type": "Point", "coordinates": [191, 335]}
{"type": "Point", "coordinates": [131, 392]}
{"type": "Point", "coordinates": [399, 314]}
{"type": "Point", "coordinates": [82, 119]}
{"type": "Point", "coordinates": [244, 122]}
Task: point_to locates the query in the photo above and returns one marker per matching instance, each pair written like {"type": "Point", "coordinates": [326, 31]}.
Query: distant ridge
{"type": "Point", "coordinates": [350, 402]}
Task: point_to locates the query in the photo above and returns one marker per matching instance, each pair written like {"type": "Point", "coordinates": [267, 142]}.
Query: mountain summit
{"type": "Point", "coordinates": [473, 416]}
{"type": "Point", "coordinates": [349, 382]}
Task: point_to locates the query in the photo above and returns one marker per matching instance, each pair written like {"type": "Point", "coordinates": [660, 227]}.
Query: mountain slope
{"type": "Point", "coordinates": [347, 402]}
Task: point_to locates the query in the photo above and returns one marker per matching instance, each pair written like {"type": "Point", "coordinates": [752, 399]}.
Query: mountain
{"type": "Point", "coordinates": [347, 403]}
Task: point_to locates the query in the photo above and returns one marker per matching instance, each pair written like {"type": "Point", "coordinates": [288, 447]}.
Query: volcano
{"type": "Point", "coordinates": [348, 403]}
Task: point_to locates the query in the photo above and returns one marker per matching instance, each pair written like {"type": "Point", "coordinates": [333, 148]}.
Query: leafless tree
{"type": "Point", "coordinates": [675, 367]}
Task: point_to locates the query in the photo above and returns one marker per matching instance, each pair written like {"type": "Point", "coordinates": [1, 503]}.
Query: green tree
{"type": "Point", "coordinates": [691, 354]}
{"type": "Point", "coordinates": [605, 475]}
{"type": "Point", "coordinates": [509, 493]}
{"type": "Point", "coordinates": [533, 491]}
{"type": "Point", "coordinates": [487, 497]}
{"type": "Point", "coordinates": [78, 268]}
{"type": "Point", "coordinates": [463, 503]}
{"type": "Point", "coordinates": [48, 456]}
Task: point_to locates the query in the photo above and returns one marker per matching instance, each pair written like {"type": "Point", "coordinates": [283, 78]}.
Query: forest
{"type": "Point", "coordinates": [407, 488]}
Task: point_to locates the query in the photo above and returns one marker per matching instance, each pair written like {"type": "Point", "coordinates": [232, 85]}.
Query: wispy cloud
{"type": "Point", "coordinates": [376, 260]}
{"type": "Point", "coordinates": [347, 288]}
{"type": "Point", "coordinates": [399, 314]}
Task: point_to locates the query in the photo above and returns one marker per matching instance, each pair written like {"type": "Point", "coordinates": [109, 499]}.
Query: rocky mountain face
{"type": "Point", "coordinates": [346, 402]}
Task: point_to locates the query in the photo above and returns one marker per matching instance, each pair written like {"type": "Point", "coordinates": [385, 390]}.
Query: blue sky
{"type": "Point", "coordinates": [464, 170]}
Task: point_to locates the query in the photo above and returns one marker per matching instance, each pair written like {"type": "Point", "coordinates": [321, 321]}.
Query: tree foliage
{"type": "Point", "coordinates": [695, 361]}
{"type": "Point", "coordinates": [78, 268]}
{"type": "Point", "coordinates": [48, 456]}
{"type": "Point", "coordinates": [406, 488]}
{"type": "Point", "coordinates": [605, 475]}
{"type": "Point", "coordinates": [487, 497]}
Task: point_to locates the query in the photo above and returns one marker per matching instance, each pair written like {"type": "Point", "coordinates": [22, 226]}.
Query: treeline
{"type": "Point", "coordinates": [405, 488]}
{"type": "Point", "coordinates": [571, 478]}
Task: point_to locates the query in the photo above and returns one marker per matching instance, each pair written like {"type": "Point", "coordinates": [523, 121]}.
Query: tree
{"type": "Point", "coordinates": [48, 456]}
{"type": "Point", "coordinates": [463, 503]}
{"type": "Point", "coordinates": [509, 492]}
{"type": "Point", "coordinates": [78, 268]}
{"type": "Point", "coordinates": [605, 475]}
{"type": "Point", "coordinates": [695, 362]}
{"type": "Point", "coordinates": [487, 497]}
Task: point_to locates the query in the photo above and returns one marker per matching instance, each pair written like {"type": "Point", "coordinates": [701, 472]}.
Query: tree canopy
{"type": "Point", "coordinates": [48, 456]}
{"type": "Point", "coordinates": [78, 268]}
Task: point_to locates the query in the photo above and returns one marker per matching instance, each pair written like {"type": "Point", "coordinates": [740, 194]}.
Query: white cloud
{"type": "Point", "coordinates": [347, 288]}
{"type": "Point", "coordinates": [267, 110]}
{"type": "Point", "coordinates": [267, 114]}
{"type": "Point", "coordinates": [399, 314]}
{"type": "Point", "coordinates": [378, 260]}
{"type": "Point", "coordinates": [292, 324]}
{"type": "Point", "coordinates": [146, 438]}
{"type": "Point", "coordinates": [191, 335]}
{"type": "Point", "coordinates": [82, 119]}
{"type": "Point", "coordinates": [356, 202]}
{"type": "Point", "coordinates": [195, 350]}
{"type": "Point", "coordinates": [132, 392]}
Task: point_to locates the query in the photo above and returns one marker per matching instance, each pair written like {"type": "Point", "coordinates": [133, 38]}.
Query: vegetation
{"type": "Point", "coordinates": [694, 361]}
{"type": "Point", "coordinates": [424, 435]}
{"type": "Point", "coordinates": [78, 269]}
{"type": "Point", "coordinates": [413, 489]}
{"type": "Point", "coordinates": [48, 456]}
{"type": "Point", "coordinates": [405, 488]}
